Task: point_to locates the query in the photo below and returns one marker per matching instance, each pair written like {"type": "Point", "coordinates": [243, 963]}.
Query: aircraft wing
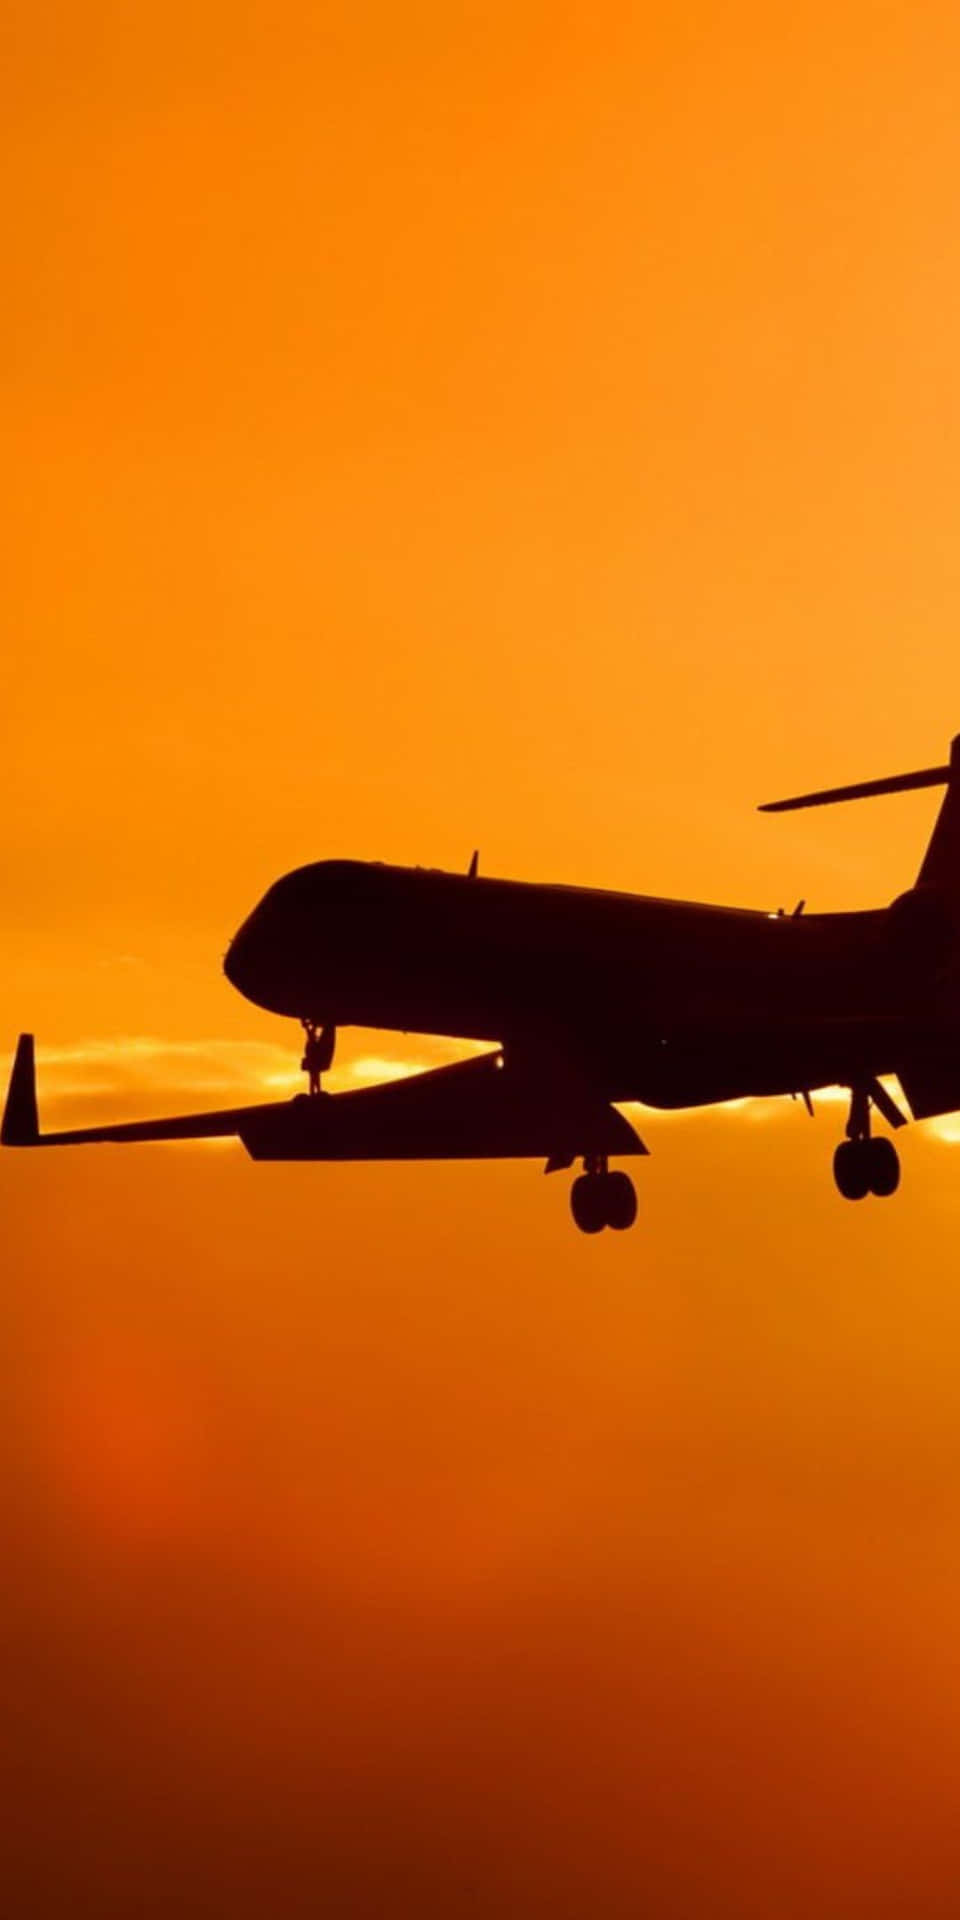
{"type": "Point", "coordinates": [475, 1109]}
{"type": "Point", "coordinates": [21, 1128]}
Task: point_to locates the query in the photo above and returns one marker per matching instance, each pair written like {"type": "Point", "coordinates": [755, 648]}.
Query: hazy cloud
{"type": "Point", "coordinates": [129, 1069]}
{"type": "Point", "coordinates": [83, 1078]}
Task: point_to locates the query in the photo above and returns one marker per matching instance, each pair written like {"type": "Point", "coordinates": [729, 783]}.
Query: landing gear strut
{"type": "Point", "coordinates": [599, 1198]}
{"type": "Point", "coordinates": [317, 1052]}
{"type": "Point", "coordinates": [861, 1164]}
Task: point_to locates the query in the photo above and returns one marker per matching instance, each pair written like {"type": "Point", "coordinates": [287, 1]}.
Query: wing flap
{"type": "Point", "coordinates": [474, 1110]}
{"type": "Point", "coordinates": [930, 1078]}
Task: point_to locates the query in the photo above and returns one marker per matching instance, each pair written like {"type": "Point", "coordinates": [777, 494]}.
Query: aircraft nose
{"type": "Point", "coordinates": [244, 956]}
{"type": "Point", "coordinates": [264, 960]}
{"type": "Point", "coordinates": [280, 958]}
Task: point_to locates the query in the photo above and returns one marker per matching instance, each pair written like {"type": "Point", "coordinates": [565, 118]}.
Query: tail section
{"type": "Point", "coordinates": [20, 1126]}
{"type": "Point", "coordinates": [941, 862]}
{"type": "Point", "coordinates": [923, 928]}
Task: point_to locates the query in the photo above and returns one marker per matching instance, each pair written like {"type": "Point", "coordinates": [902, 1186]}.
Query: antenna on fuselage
{"type": "Point", "coordinates": [474, 864]}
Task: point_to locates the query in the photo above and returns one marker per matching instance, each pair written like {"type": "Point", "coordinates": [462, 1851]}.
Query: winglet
{"type": "Point", "coordinates": [20, 1124]}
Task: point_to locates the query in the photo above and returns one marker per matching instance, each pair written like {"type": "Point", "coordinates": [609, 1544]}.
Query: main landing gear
{"type": "Point", "coordinates": [861, 1164]}
{"type": "Point", "coordinates": [599, 1198]}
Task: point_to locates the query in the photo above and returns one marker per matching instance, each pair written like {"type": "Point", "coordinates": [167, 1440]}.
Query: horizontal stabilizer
{"type": "Point", "coordinates": [864, 790]}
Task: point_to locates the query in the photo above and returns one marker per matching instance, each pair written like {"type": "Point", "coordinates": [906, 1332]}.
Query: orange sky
{"type": "Point", "coordinates": [433, 427]}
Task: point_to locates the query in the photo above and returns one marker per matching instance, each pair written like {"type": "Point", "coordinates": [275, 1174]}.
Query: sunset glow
{"type": "Point", "coordinates": [434, 427]}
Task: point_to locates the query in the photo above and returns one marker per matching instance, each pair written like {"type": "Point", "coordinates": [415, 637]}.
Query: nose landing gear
{"type": "Point", "coordinates": [318, 1052]}
{"type": "Point", "coordinates": [861, 1164]}
{"type": "Point", "coordinates": [599, 1198]}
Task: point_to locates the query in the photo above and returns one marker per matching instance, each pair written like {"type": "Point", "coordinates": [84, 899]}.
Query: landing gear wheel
{"type": "Point", "coordinates": [588, 1202]}
{"type": "Point", "coordinates": [621, 1201]}
{"type": "Point", "coordinates": [599, 1199]}
{"type": "Point", "coordinates": [884, 1168]}
{"type": "Point", "coordinates": [852, 1168]}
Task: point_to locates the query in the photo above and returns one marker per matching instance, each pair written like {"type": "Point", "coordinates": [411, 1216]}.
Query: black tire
{"type": "Point", "coordinates": [621, 1202]}
{"type": "Point", "coordinates": [852, 1168]}
{"type": "Point", "coordinates": [588, 1203]}
{"type": "Point", "coordinates": [884, 1168]}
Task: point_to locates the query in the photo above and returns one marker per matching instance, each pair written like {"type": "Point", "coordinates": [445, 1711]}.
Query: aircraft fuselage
{"type": "Point", "coordinates": [668, 1002]}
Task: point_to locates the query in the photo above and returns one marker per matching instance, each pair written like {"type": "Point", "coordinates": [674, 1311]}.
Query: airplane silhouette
{"type": "Point", "coordinates": [590, 998]}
